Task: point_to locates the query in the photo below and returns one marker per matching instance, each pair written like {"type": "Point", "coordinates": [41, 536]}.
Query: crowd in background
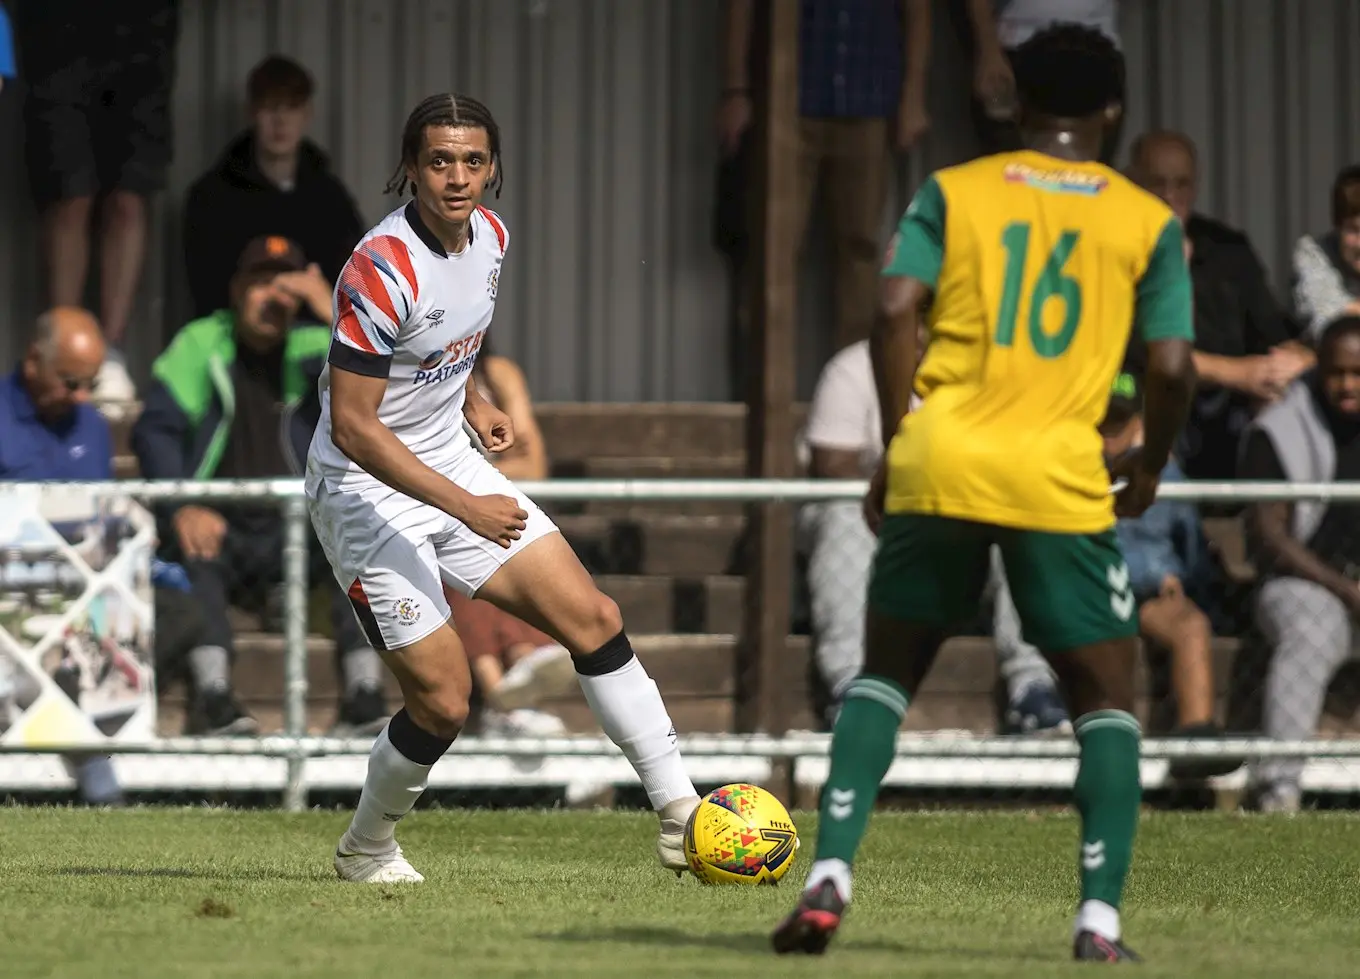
{"type": "Point", "coordinates": [268, 227]}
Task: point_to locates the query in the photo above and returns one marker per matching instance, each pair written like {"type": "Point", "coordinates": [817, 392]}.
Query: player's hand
{"type": "Point", "coordinates": [497, 518]}
{"type": "Point", "coordinates": [1171, 587]}
{"type": "Point", "coordinates": [309, 288]}
{"type": "Point", "coordinates": [1140, 486]}
{"type": "Point", "coordinates": [873, 500]}
{"type": "Point", "coordinates": [200, 532]}
{"type": "Point", "coordinates": [492, 426]}
{"type": "Point", "coordinates": [912, 119]}
{"type": "Point", "coordinates": [1289, 360]}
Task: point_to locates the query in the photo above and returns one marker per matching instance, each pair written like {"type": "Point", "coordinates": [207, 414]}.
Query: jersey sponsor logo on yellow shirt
{"type": "Point", "coordinates": [1060, 180]}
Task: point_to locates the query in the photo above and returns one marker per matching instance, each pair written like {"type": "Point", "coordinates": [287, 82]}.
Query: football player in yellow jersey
{"type": "Point", "coordinates": [1034, 267]}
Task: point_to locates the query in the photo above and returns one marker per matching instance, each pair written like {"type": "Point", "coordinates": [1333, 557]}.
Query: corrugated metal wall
{"type": "Point", "coordinates": [612, 290]}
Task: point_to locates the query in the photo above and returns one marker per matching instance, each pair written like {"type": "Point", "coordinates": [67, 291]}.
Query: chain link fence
{"type": "Point", "coordinates": [1245, 683]}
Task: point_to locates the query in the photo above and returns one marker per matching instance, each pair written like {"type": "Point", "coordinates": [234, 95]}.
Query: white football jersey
{"type": "Point", "coordinates": [406, 310]}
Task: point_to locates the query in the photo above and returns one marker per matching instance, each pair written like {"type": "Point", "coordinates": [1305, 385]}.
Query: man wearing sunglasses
{"type": "Point", "coordinates": [49, 431]}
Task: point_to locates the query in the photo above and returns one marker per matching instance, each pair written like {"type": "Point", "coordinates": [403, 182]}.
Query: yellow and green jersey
{"type": "Point", "coordinates": [1040, 269]}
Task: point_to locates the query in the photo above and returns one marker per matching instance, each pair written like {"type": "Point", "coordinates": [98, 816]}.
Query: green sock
{"type": "Point", "coordinates": [862, 748]}
{"type": "Point", "coordinates": [1107, 795]}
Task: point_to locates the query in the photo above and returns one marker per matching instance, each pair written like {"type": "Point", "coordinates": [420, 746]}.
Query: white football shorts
{"type": "Point", "coordinates": [393, 555]}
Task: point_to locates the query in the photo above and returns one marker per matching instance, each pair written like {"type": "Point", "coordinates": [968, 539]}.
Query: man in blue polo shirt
{"type": "Point", "coordinates": [49, 431]}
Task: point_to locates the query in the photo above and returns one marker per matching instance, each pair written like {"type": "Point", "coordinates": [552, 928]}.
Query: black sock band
{"type": "Point", "coordinates": [415, 743]}
{"type": "Point", "coordinates": [613, 655]}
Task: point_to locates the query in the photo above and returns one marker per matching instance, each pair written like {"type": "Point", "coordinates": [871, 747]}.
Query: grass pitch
{"type": "Point", "coordinates": [214, 893]}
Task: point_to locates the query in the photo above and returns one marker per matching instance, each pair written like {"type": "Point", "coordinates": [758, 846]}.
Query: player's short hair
{"type": "Point", "coordinates": [445, 109]}
{"type": "Point", "coordinates": [278, 79]}
{"type": "Point", "coordinates": [1346, 195]}
{"type": "Point", "coordinates": [1068, 70]}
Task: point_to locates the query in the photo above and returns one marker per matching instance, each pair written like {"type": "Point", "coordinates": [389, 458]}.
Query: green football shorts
{"type": "Point", "coordinates": [1070, 590]}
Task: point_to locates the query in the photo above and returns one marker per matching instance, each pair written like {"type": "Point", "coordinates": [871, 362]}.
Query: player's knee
{"type": "Point", "coordinates": [605, 620]}
{"type": "Point", "coordinates": [443, 713]}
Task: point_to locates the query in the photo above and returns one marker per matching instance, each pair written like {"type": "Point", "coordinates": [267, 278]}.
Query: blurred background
{"type": "Point", "coordinates": [698, 193]}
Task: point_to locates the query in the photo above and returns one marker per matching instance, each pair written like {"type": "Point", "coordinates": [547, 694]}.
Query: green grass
{"type": "Point", "coordinates": [201, 892]}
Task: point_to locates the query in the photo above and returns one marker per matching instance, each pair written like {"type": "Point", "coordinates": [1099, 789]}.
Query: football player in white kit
{"type": "Point", "coordinates": [405, 506]}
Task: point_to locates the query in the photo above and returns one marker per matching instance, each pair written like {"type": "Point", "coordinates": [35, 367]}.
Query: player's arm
{"type": "Point", "coordinates": [907, 286]}
{"type": "Point", "coordinates": [357, 432]}
{"type": "Point", "coordinates": [1164, 318]}
{"type": "Point", "coordinates": [1269, 523]}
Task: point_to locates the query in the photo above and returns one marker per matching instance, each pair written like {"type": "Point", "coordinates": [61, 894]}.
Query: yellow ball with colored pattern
{"type": "Point", "coordinates": [740, 834]}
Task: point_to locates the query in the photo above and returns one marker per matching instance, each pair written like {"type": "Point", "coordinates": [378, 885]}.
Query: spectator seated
{"type": "Point", "coordinates": [1309, 552]}
{"type": "Point", "coordinates": [235, 397]}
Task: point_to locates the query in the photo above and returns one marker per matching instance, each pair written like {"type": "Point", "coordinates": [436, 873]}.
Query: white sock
{"type": "Point", "coordinates": [393, 785]}
{"type": "Point", "coordinates": [837, 870]}
{"type": "Point", "coordinates": [629, 707]}
{"type": "Point", "coordinates": [1098, 917]}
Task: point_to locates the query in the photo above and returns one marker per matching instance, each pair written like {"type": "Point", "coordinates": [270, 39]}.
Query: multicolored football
{"type": "Point", "coordinates": [740, 834]}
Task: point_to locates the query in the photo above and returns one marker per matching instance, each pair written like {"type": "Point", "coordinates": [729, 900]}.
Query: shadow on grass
{"type": "Point", "coordinates": [673, 937]}
{"type": "Point", "coordinates": [244, 873]}
{"type": "Point", "coordinates": [759, 943]}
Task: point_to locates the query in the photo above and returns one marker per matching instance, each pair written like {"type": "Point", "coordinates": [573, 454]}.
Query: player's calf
{"type": "Point", "coordinates": [435, 682]}
{"type": "Point", "coordinates": [628, 705]}
{"type": "Point", "coordinates": [547, 586]}
{"type": "Point", "coordinates": [1100, 679]}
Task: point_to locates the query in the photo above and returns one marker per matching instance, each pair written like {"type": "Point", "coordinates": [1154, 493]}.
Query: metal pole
{"type": "Point", "coordinates": [295, 610]}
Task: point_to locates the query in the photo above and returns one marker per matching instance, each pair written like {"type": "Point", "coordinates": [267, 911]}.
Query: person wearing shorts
{"type": "Point", "coordinates": [408, 510]}
{"type": "Point", "coordinates": [97, 127]}
{"type": "Point", "coordinates": [1032, 265]}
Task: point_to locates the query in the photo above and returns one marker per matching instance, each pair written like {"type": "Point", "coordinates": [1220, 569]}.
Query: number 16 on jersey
{"type": "Point", "coordinates": [1051, 285]}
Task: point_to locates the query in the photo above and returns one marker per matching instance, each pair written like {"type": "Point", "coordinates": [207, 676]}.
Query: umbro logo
{"type": "Point", "coordinates": [437, 315]}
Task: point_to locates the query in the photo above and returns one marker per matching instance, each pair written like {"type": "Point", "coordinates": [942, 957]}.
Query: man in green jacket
{"type": "Point", "coordinates": [234, 396]}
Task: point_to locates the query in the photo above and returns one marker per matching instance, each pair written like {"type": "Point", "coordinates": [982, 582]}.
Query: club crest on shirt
{"type": "Point", "coordinates": [493, 281]}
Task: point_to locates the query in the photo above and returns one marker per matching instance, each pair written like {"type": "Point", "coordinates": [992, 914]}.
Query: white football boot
{"type": "Point", "coordinates": [388, 867]}
{"type": "Point", "coordinates": [670, 845]}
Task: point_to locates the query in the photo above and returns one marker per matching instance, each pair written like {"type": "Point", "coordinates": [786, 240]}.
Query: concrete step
{"type": "Point", "coordinates": [573, 431]}
{"type": "Point", "coordinates": [665, 467]}
{"type": "Point", "coordinates": [682, 665]}
{"type": "Point", "coordinates": [659, 544]}
{"type": "Point", "coordinates": [647, 603]}
{"type": "Point", "coordinates": [659, 467]}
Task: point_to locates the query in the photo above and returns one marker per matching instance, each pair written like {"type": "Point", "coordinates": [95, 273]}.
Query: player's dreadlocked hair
{"type": "Point", "coordinates": [446, 109]}
{"type": "Point", "coordinates": [1068, 70]}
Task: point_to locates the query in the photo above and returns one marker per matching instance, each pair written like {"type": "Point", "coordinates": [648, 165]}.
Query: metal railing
{"type": "Point", "coordinates": [295, 746]}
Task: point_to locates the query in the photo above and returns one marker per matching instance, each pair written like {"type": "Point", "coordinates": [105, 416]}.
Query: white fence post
{"type": "Point", "coordinates": [295, 612]}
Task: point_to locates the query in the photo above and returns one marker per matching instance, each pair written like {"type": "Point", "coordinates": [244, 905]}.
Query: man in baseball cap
{"type": "Point", "coordinates": [271, 253]}
{"type": "Point", "coordinates": [235, 397]}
